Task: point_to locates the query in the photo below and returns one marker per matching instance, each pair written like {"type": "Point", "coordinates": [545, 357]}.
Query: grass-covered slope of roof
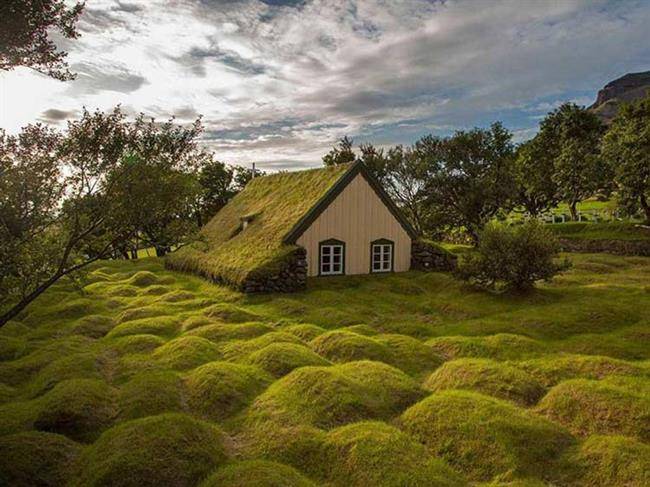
{"type": "Point", "coordinates": [273, 205]}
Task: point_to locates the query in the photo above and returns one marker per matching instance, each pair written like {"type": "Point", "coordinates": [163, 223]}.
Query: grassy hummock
{"type": "Point", "coordinates": [186, 352]}
{"type": "Point", "coordinates": [169, 449]}
{"type": "Point", "coordinates": [258, 473]}
{"type": "Point", "coordinates": [488, 377]}
{"type": "Point", "coordinates": [279, 359]}
{"type": "Point", "coordinates": [274, 204]}
{"type": "Point", "coordinates": [486, 437]}
{"type": "Point", "coordinates": [346, 346]}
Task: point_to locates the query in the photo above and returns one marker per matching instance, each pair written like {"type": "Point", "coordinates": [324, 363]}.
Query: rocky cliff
{"type": "Point", "coordinates": [627, 88]}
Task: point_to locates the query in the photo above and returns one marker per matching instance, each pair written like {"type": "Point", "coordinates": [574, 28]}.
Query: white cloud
{"type": "Point", "coordinates": [279, 84]}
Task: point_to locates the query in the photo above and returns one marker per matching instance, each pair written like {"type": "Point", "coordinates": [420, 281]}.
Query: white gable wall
{"type": "Point", "coordinates": [357, 217]}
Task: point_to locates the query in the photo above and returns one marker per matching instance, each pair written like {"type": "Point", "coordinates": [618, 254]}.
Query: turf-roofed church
{"type": "Point", "coordinates": [285, 227]}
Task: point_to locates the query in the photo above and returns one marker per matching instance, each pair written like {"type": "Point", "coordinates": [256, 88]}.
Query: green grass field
{"type": "Point", "coordinates": [150, 377]}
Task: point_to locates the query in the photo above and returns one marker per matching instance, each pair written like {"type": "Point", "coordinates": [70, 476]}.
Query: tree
{"type": "Point", "coordinates": [24, 35]}
{"type": "Point", "coordinates": [340, 154]}
{"type": "Point", "coordinates": [69, 200]}
{"type": "Point", "coordinates": [570, 136]}
{"type": "Point", "coordinates": [216, 181]}
{"type": "Point", "coordinates": [627, 147]}
{"type": "Point", "coordinates": [470, 178]}
{"type": "Point", "coordinates": [513, 258]}
{"type": "Point", "coordinates": [242, 175]}
{"type": "Point", "coordinates": [533, 169]}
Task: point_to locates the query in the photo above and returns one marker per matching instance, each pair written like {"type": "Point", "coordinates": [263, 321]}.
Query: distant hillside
{"type": "Point", "coordinates": [627, 88]}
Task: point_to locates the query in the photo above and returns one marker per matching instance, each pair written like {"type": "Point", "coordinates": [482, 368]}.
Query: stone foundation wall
{"type": "Point", "coordinates": [617, 247]}
{"type": "Point", "coordinates": [429, 257]}
{"type": "Point", "coordinates": [292, 277]}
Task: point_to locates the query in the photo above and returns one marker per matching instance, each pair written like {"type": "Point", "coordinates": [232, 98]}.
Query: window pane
{"type": "Point", "coordinates": [325, 268]}
{"type": "Point", "coordinates": [376, 266]}
{"type": "Point", "coordinates": [337, 250]}
{"type": "Point", "coordinates": [326, 249]}
{"type": "Point", "coordinates": [336, 259]}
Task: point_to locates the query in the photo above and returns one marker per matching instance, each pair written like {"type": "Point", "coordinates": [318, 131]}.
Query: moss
{"type": "Point", "coordinates": [177, 296]}
{"type": "Point", "coordinates": [220, 389]}
{"type": "Point", "coordinates": [488, 377]}
{"type": "Point", "coordinates": [612, 460]}
{"type": "Point", "coordinates": [502, 346]}
{"type": "Point", "coordinates": [119, 291]}
{"type": "Point", "coordinates": [150, 393]}
{"type": "Point", "coordinates": [168, 449]}
{"type": "Point", "coordinates": [409, 354]}
{"type": "Point", "coordinates": [332, 396]}
{"type": "Point", "coordinates": [62, 310]}
{"type": "Point", "coordinates": [17, 416]}
{"type": "Point", "coordinates": [304, 331]}
{"type": "Point", "coordinates": [374, 453]}
{"type": "Point", "coordinates": [230, 313]}
{"type": "Point", "coordinates": [36, 458]}
{"type": "Point", "coordinates": [79, 409]}
{"type": "Point", "coordinates": [164, 326]}
{"type": "Point", "coordinates": [224, 332]}
{"type": "Point", "coordinates": [345, 346]}
{"type": "Point", "coordinates": [596, 407]}
{"type": "Point", "coordinates": [186, 352]}
{"type": "Point", "coordinates": [155, 290]}
{"type": "Point", "coordinates": [485, 437]}
{"type": "Point", "coordinates": [139, 312]}
{"type": "Point", "coordinates": [143, 279]}
{"type": "Point", "coordinates": [196, 321]}
{"type": "Point", "coordinates": [551, 370]}
{"type": "Point", "coordinates": [11, 348]}
{"type": "Point", "coordinates": [277, 202]}
{"type": "Point", "coordinates": [76, 366]}
{"type": "Point", "coordinates": [136, 343]}
{"type": "Point", "coordinates": [94, 326]}
{"type": "Point", "coordinates": [361, 330]}
{"type": "Point", "coordinates": [279, 359]}
{"type": "Point", "coordinates": [239, 349]}
{"type": "Point", "coordinates": [7, 393]}
{"type": "Point", "coordinates": [259, 473]}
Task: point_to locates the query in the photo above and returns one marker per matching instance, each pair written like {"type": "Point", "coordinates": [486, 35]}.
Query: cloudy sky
{"type": "Point", "coordinates": [278, 82]}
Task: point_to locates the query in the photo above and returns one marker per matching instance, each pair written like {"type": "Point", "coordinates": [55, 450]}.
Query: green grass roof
{"type": "Point", "coordinates": [273, 204]}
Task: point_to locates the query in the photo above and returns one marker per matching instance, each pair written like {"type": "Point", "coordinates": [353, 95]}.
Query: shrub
{"type": "Point", "coordinates": [332, 396]}
{"type": "Point", "coordinates": [36, 458]}
{"type": "Point", "coordinates": [150, 393]}
{"type": "Point", "coordinates": [78, 408]}
{"type": "Point", "coordinates": [512, 257]}
{"type": "Point", "coordinates": [597, 407]}
{"type": "Point", "coordinates": [374, 453]}
{"type": "Point", "coordinates": [485, 437]}
{"type": "Point", "coordinates": [219, 389]}
{"type": "Point", "coordinates": [169, 449]}
{"type": "Point", "coordinates": [258, 473]}
{"type": "Point", "coordinates": [279, 359]}
{"type": "Point", "coordinates": [488, 377]}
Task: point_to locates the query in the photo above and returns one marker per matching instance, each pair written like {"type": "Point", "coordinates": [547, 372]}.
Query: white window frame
{"type": "Point", "coordinates": [384, 251]}
{"type": "Point", "coordinates": [331, 259]}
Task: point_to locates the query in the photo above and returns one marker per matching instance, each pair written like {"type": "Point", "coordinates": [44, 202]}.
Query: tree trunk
{"type": "Point", "coordinates": [573, 210]}
{"type": "Point", "coordinates": [646, 208]}
{"type": "Point", "coordinates": [134, 254]}
{"type": "Point", "coordinates": [161, 251]}
{"type": "Point", "coordinates": [23, 303]}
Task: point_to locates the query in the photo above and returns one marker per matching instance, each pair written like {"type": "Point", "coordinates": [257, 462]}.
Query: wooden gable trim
{"type": "Point", "coordinates": [338, 187]}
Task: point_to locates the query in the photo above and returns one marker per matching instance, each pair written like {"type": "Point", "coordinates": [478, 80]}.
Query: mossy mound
{"type": "Point", "coordinates": [177, 296]}
{"type": "Point", "coordinates": [345, 346]}
{"type": "Point", "coordinates": [136, 344]}
{"type": "Point", "coordinates": [116, 291]}
{"type": "Point", "coordinates": [220, 389]}
{"type": "Point", "coordinates": [502, 346]}
{"type": "Point", "coordinates": [164, 326]}
{"type": "Point", "coordinates": [94, 326]}
{"type": "Point", "coordinates": [17, 416]}
{"type": "Point", "coordinates": [140, 312]}
{"type": "Point", "coordinates": [332, 396]}
{"type": "Point", "coordinates": [304, 331]}
{"type": "Point", "coordinates": [230, 313]}
{"type": "Point", "coordinates": [143, 279]}
{"type": "Point", "coordinates": [11, 348]}
{"type": "Point", "coordinates": [361, 330]}
{"type": "Point", "coordinates": [76, 366]}
{"type": "Point", "coordinates": [7, 393]}
{"type": "Point", "coordinates": [79, 409]}
{"type": "Point", "coordinates": [612, 460]}
{"type": "Point", "coordinates": [485, 437]}
{"type": "Point", "coordinates": [588, 407]}
{"type": "Point", "coordinates": [258, 473]}
{"type": "Point", "coordinates": [552, 370]}
{"type": "Point", "coordinates": [62, 310]}
{"type": "Point", "coordinates": [196, 321]}
{"type": "Point", "coordinates": [224, 332]}
{"type": "Point", "coordinates": [186, 352]}
{"type": "Point", "coordinates": [169, 449]}
{"type": "Point", "coordinates": [35, 458]}
{"type": "Point", "coordinates": [279, 359]}
{"type": "Point", "coordinates": [300, 446]}
{"type": "Point", "coordinates": [155, 290]}
{"type": "Point", "coordinates": [409, 354]}
{"type": "Point", "coordinates": [374, 453]}
{"type": "Point", "coordinates": [239, 349]}
{"type": "Point", "coordinates": [150, 393]}
{"type": "Point", "coordinates": [488, 377]}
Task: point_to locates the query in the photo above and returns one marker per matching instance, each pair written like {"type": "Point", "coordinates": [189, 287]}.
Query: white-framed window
{"type": "Point", "coordinates": [332, 258]}
{"type": "Point", "coordinates": [381, 256]}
